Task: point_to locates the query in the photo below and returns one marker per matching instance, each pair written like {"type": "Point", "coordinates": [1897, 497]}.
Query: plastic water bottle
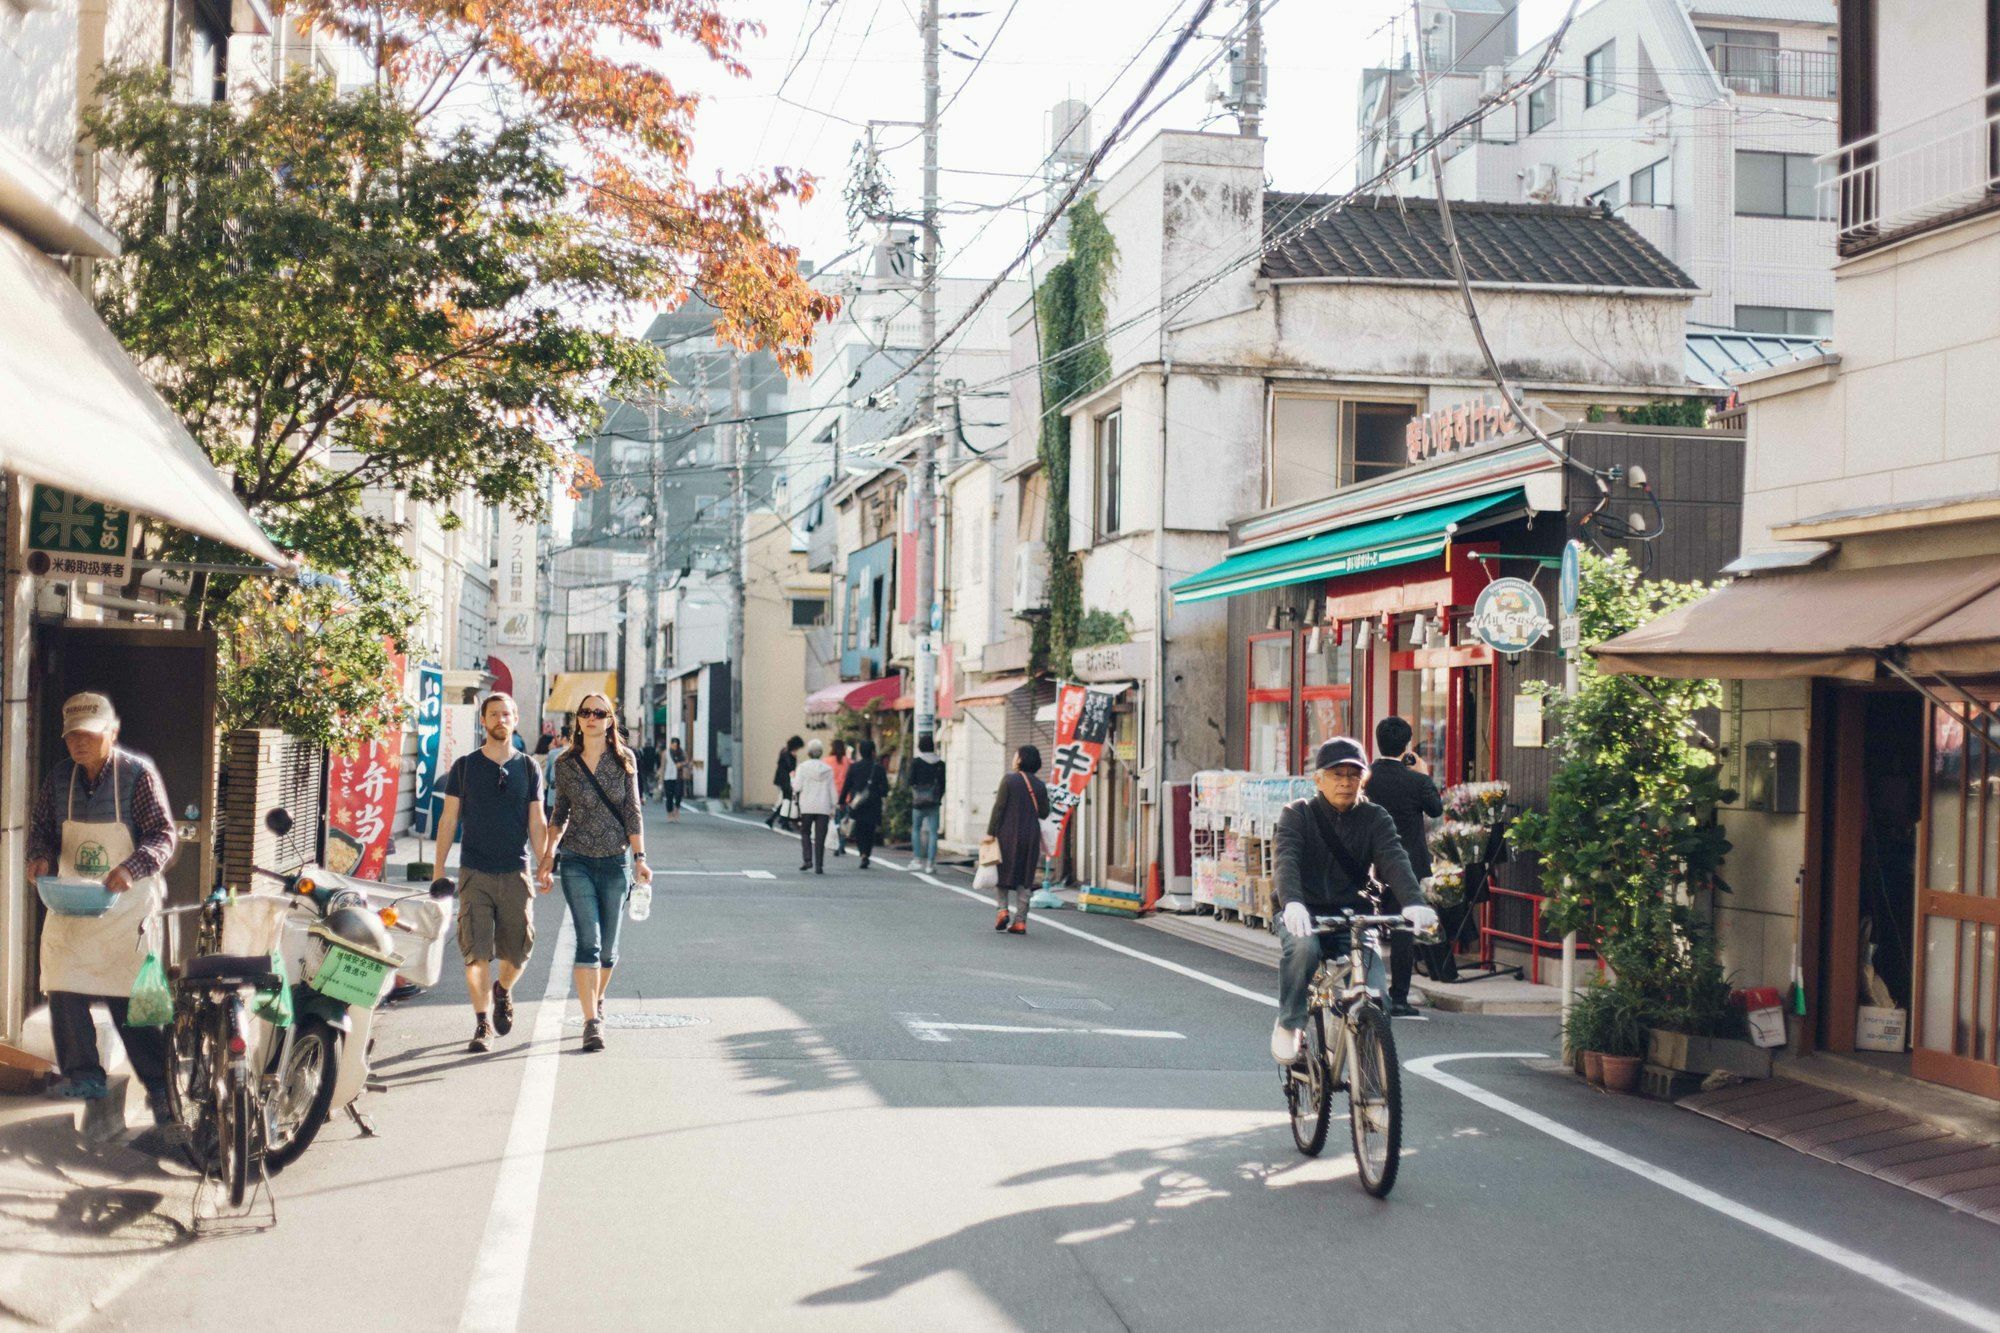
{"type": "Point", "coordinates": [639, 903]}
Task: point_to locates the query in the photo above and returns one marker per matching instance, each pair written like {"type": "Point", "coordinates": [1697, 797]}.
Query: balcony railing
{"type": "Point", "coordinates": [1902, 180]}
{"type": "Point", "coordinates": [1770, 71]}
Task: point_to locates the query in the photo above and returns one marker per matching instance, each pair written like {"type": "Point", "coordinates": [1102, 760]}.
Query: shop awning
{"type": "Point", "coordinates": [1823, 623]}
{"type": "Point", "coordinates": [993, 691]}
{"type": "Point", "coordinates": [566, 691]}
{"type": "Point", "coordinates": [854, 694]}
{"type": "Point", "coordinates": [81, 417]}
{"type": "Point", "coordinates": [1375, 544]}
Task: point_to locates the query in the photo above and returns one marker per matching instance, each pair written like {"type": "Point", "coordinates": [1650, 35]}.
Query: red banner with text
{"type": "Point", "coordinates": [1083, 724]}
{"type": "Point", "coordinates": [361, 807]}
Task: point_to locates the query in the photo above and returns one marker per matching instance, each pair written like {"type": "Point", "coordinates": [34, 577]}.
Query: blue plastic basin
{"type": "Point", "coordinates": [74, 897]}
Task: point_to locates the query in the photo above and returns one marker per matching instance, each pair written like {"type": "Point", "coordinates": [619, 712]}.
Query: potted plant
{"type": "Point", "coordinates": [1623, 1037]}
{"type": "Point", "coordinates": [1583, 1034]}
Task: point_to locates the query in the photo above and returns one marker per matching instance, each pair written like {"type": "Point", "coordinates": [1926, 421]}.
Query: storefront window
{"type": "Point", "coordinates": [1326, 688]}
{"type": "Point", "coordinates": [1270, 703]}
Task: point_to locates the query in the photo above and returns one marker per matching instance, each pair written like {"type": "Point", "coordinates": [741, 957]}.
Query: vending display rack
{"type": "Point", "coordinates": [1233, 825]}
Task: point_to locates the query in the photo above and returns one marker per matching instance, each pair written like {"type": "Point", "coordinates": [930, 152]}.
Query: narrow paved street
{"type": "Point", "coordinates": [845, 1102]}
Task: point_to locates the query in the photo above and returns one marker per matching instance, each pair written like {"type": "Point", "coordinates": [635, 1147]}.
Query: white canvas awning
{"type": "Point", "coordinates": [76, 413]}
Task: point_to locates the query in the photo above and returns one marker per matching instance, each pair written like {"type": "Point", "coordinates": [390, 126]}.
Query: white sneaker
{"type": "Point", "coordinates": [1286, 1044]}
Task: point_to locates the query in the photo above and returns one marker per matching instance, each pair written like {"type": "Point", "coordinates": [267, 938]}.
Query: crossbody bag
{"type": "Point", "coordinates": [1355, 870]}
{"type": "Point", "coordinates": [602, 795]}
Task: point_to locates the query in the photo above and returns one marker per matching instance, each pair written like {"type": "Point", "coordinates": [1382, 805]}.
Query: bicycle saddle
{"type": "Point", "coordinates": [232, 970]}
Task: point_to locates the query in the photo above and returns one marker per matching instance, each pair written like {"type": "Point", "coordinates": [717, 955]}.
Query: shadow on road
{"type": "Point", "coordinates": [788, 1060]}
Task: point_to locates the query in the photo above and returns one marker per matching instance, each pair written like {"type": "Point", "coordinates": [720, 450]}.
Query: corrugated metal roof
{"type": "Point", "coordinates": [1771, 11]}
{"type": "Point", "coordinates": [1381, 238]}
{"type": "Point", "coordinates": [1715, 354]}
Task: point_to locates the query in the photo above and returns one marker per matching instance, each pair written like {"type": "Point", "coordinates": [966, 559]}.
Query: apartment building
{"type": "Point", "coordinates": [1698, 122]}
{"type": "Point", "coordinates": [1861, 645]}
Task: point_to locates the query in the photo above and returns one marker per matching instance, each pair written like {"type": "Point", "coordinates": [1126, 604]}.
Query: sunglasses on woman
{"type": "Point", "coordinates": [593, 712]}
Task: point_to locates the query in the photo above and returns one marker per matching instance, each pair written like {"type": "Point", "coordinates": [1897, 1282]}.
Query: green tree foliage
{"type": "Point", "coordinates": [331, 297]}
{"type": "Point", "coordinates": [313, 660]}
{"type": "Point", "coordinates": [1069, 304]}
{"type": "Point", "coordinates": [1629, 827]}
{"type": "Point", "coordinates": [1101, 627]}
{"type": "Point", "coordinates": [1661, 412]}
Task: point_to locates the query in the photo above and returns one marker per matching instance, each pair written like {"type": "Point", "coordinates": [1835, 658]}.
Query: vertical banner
{"type": "Point", "coordinates": [458, 735]}
{"type": "Point", "coordinates": [1083, 723]}
{"type": "Point", "coordinates": [925, 694]}
{"type": "Point", "coordinates": [361, 807]}
{"type": "Point", "coordinates": [430, 729]}
{"type": "Point", "coordinates": [514, 594]}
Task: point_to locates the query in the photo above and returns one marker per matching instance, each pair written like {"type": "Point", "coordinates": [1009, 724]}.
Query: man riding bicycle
{"type": "Point", "coordinates": [1327, 846]}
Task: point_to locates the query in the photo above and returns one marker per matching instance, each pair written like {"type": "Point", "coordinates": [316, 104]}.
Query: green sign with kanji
{"type": "Point", "coordinates": [81, 539]}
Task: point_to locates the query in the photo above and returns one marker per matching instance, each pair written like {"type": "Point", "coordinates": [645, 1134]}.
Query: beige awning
{"type": "Point", "coordinates": [1821, 623]}
{"type": "Point", "coordinates": [566, 691]}
{"type": "Point", "coordinates": [994, 691]}
{"type": "Point", "coordinates": [1964, 643]}
{"type": "Point", "coordinates": [79, 415]}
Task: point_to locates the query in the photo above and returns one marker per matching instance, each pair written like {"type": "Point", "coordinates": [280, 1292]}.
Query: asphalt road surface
{"type": "Point", "coordinates": [844, 1101]}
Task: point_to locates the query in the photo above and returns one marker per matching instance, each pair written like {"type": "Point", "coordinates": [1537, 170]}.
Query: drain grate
{"type": "Point", "coordinates": [643, 1021]}
{"type": "Point", "coordinates": [1074, 1004]}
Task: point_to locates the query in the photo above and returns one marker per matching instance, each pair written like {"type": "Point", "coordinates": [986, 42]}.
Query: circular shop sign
{"type": "Point", "coordinates": [1510, 616]}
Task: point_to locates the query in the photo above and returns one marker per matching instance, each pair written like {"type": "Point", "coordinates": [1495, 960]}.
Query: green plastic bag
{"type": "Point", "coordinates": [275, 1007]}
{"type": "Point", "coordinates": [152, 1003]}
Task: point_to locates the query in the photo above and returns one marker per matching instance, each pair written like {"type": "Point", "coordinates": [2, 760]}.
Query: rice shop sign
{"type": "Point", "coordinates": [1510, 616]}
{"type": "Point", "coordinates": [70, 537]}
{"type": "Point", "coordinates": [1452, 429]}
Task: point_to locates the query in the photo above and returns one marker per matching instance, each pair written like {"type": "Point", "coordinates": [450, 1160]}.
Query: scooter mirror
{"type": "Point", "coordinates": [279, 821]}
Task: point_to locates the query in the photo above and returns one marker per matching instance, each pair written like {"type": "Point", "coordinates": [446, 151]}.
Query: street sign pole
{"type": "Point", "coordinates": [1568, 592]}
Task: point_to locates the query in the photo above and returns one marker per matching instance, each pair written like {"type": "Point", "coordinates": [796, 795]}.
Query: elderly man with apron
{"type": "Point", "coordinates": [102, 814]}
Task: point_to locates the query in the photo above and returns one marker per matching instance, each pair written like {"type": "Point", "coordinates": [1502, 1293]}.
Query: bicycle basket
{"type": "Point", "coordinates": [253, 922]}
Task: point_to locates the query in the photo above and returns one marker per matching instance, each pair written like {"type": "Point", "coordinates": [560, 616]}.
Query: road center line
{"type": "Point", "coordinates": [925, 1028]}
{"type": "Point", "coordinates": [500, 1273]}
{"type": "Point", "coordinates": [1966, 1312]}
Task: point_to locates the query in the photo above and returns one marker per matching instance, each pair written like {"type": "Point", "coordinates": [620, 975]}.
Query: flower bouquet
{"type": "Point", "coordinates": [1482, 803]}
{"type": "Point", "coordinates": [1445, 888]}
{"type": "Point", "coordinates": [1457, 843]}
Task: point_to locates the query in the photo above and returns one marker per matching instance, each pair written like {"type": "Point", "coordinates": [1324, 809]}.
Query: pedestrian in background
{"type": "Point", "coordinates": [862, 793]}
{"type": "Point", "coordinates": [597, 821]}
{"type": "Point", "coordinates": [839, 761]}
{"type": "Point", "coordinates": [1019, 808]}
{"type": "Point", "coordinates": [926, 783]}
{"type": "Point", "coordinates": [499, 792]}
{"type": "Point", "coordinates": [1399, 781]}
{"type": "Point", "coordinates": [680, 773]}
{"type": "Point", "coordinates": [102, 814]}
{"type": "Point", "coordinates": [814, 784]}
{"type": "Point", "coordinates": [649, 767]}
{"type": "Point", "coordinates": [781, 778]}
{"type": "Point", "coordinates": [547, 751]}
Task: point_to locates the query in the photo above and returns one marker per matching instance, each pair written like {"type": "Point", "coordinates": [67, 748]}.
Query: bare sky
{"type": "Point", "coordinates": [865, 62]}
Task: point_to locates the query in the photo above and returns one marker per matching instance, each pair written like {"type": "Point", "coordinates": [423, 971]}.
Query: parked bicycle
{"type": "Point", "coordinates": [1348, 1042]}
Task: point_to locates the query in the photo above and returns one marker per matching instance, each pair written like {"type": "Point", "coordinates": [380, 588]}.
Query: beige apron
{"type": "Point", "coordinates": [100, 955]}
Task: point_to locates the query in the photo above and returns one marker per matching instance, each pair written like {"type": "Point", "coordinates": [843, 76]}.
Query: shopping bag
{"type": "Point", "coordinates": [847, 828]}
{"type": "Point", "coordinates": [989, 851]}
{"type": "Point", "coordinates": [986, 879]}
{"type": "Point", "coordinates": [152, 1003]}
{"type": "Point", "coordinates": [275, 1007]}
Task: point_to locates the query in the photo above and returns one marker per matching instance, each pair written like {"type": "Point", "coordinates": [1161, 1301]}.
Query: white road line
{"type": "Point", "coordinates": [499, 1275]}
{"type": "Point", "coordinates": [1966, 1312]}
{"type": "Point", "coordinates": [929, 1029]}
{"type": "Point", "coordinates": [758, 874]}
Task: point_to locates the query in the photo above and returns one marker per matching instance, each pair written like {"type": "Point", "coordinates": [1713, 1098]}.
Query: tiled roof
{"type": "Point", "coordinates": [1386, 240]}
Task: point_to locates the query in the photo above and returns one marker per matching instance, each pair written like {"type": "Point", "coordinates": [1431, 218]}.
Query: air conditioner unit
{"type": "Point", "coordinates": [1540, 183]}
{"type": "Point", "coordinates": [1031, 580]}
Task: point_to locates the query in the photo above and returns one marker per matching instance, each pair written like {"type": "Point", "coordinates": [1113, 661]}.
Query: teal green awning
{"type": "Point", "coordinates": [1376, 544]}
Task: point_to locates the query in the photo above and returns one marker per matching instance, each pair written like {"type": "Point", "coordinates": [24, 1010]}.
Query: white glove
{"type": "Point", "coordinates": [1298, 919]}
{"type": "Point", "coordinates": [1422, 918]}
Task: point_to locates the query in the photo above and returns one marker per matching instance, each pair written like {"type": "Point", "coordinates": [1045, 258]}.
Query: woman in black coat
{"type": "Point", "coordinates": [866, 787]}
{"type": "Point", "coordinates": [1016, 823]}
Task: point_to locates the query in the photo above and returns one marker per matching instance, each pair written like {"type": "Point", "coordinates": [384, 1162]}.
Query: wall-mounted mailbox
{"type": "Point", "coordinates": [1771, 777]}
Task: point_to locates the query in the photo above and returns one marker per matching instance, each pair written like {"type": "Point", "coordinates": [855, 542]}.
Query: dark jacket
{"type": "Point", "coordinates": [867, 783]}
{"type": "Point", "coordinates": [1309, 873]}
{"type": "Point", "coordinates": [788, 764]}
{"type": "Point", "coordinates": [925, 779]}
{"type": "Point", "coordinates": [1408, 796]}
{"type": "Point", "coordinates": [1019, 808]}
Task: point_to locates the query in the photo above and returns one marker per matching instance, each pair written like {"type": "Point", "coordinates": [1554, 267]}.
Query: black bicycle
{"type": "Point", "coordinates": [1347, 1042]}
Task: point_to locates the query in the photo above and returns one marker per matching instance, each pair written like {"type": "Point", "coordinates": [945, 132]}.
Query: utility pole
{"type": "Point", "coordinates": [1247, 74]}
{"type": "Point", "coordinates": [740, 449]}
{"type": "Point", "coordinates": [925, 611]}
{"type": "Point", "coordinates": [656, 558]}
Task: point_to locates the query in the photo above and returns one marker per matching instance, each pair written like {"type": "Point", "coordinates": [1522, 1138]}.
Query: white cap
{"type": "Point", "coordinates": [89, 712]}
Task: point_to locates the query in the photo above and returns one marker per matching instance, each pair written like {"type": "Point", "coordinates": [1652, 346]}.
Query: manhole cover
{"type": "Point", "coordinates": [1070, 1003]}
{"type": "Point", "coordinates": [644, 1021]}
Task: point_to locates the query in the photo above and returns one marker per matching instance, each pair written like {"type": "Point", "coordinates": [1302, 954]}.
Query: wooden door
{"type": "Point", "coordinates": [1958, 905]}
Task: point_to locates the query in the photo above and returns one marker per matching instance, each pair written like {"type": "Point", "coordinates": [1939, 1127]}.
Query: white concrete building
{"type": "Point", "coordinates": [1862, 648]}
{"type": "Point", "coordinates": [1696, 121]}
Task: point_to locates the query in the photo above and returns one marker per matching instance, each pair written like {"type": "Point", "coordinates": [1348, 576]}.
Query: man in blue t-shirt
{"type": "Point", "coordinates": [498, 792]}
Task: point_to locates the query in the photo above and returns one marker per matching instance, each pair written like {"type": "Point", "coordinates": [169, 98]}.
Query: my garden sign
{"type": "Point", "coordinates": [1510, 616]}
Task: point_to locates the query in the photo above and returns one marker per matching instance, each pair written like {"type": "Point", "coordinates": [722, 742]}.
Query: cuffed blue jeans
{"type": "Point", "coordinates": [923, 834]}
{"type": "Point", "coordinates": [595, 887]}
{"type": "Point", "coordinates": [1301, 960]}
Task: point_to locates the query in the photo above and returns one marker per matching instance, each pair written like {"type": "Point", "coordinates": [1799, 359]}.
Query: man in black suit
{"type": "Point", "coordinates": [1399, 781]}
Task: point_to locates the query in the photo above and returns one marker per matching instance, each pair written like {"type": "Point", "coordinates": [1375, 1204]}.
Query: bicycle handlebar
{"type": "Point", "coordinates": [1347, 920]}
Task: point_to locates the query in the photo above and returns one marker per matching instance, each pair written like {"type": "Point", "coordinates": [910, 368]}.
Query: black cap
{"type": "Point", "coordinates": [1341, 750]}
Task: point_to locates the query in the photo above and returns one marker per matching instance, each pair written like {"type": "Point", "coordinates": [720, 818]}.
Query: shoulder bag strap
{"type": "Point", "coordinates": [598, 787]}
{"type": "Point", "coordinates": [1355, 870]}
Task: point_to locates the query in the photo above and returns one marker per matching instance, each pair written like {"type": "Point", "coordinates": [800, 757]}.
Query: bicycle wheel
{"type": "Point", "coordinates": [1374, 1099]}
{"type": "Point", "coordinates": [304, 1095]}
{"type": "Point", "coordinates": [187, 1084]}
{"type": "Point", "coordinates": [237, 1113]}
{"type": "Point", "coordinates": [1309, 1090]}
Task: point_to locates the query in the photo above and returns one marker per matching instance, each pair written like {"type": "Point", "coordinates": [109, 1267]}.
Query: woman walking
{"type": "Point", "coordinates": [1019, 808]}
{"type": "Point", "coordinates": [596, 822]}
{"type": "Point", "coordinates": [680, 771]}
{"type": "Point", "coordinates": [862, 793]}
{"type": "Point", "coordinates": [839, 761]}
{"type": "Point", "coordinates": [813, 782]}
{"type": "Point", "coordinates": [781, 778]}
{"type": "Point", "coordinates": [925, 779]}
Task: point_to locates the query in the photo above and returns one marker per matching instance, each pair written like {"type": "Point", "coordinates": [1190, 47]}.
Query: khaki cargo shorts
{"type": "Point", "coordinates": [494, 920]}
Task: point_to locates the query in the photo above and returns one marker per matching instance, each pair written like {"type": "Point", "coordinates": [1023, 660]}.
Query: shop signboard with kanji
{"type": "Point", "coordinates": [361, 807]}
{"type": "Point", "coordinates": [70, 537]}
{"type": "Point", "coordinates": [514, 593]}
{"type": "Point", "coordinates": [1083, 724]}
{"type": "Point", "coordinates": [430, 733]}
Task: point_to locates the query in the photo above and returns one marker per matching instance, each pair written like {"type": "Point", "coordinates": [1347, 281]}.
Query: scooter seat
{"type": "Point", "coordinates": [228, 969]}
